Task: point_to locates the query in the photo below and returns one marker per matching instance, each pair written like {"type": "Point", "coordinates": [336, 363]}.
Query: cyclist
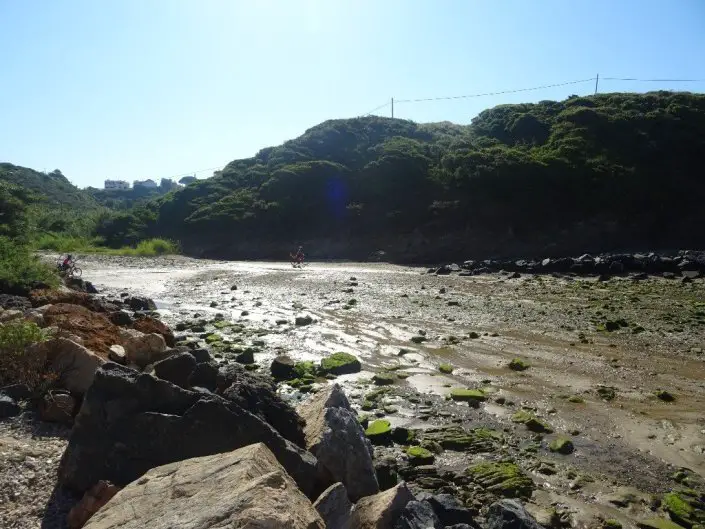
{"type": "Point", "coordinates": [66, 263]}
{"type": "Point", "coordinates": [299, 256]}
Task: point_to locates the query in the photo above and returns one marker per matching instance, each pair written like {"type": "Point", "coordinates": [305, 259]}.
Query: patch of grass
{"type": "Point", "coordinates": [19, 268]}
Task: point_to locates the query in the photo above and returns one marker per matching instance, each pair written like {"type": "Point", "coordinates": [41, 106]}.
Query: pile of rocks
{"type": "Point", "coordinates": [687, 264]}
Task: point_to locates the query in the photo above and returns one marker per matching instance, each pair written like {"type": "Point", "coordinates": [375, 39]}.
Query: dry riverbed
{"type": "Point", "coordinates": [599, 356]}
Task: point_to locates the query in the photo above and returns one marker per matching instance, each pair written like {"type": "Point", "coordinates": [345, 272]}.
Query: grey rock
{"type": "Point", "coordinates": [509, 514]}
{"type": "Point", "coordinates": [130, 422]}
{"type": "Point", "coordinates": [448, 509]}
{"type": "Point", "coordinates": [418, 515]}
{"type": "Point", "coordinates": [334, 506]}
{"type": "Point", "coordinates": [176, 369]}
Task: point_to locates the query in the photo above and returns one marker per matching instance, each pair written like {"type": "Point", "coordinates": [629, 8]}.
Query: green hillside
{"type": "Point", "coordinates": [589, 173]}
{"type": "Point", "coordinates": [52, 189]}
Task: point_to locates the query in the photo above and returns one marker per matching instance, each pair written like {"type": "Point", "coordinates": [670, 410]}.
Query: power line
{"type": "Point", "coordinates": [376, 109]}
{"type": "Point", "coordinates": [495, 93]}
{"type": "Point", "coordinates": [654, 80]}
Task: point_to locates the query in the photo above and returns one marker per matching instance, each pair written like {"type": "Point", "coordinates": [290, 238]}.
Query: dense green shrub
{"type": "Point", "coordinates": [20, 364]}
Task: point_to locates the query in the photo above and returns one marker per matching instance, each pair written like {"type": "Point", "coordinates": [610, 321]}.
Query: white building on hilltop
{"type": "Point", "coordinates": [145, 183]}
{"type": "Point", "coordinates": [117, 184]}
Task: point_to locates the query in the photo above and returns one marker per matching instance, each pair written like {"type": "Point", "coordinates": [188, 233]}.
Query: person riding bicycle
{"type": "Point", "coordinates": [299, 256]}
{"type": "Point", "coordinates": [66, 263]}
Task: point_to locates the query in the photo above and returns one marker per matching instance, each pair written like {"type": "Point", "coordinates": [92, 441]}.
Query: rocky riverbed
{"type": "Point", "coordinates": [584, 397]}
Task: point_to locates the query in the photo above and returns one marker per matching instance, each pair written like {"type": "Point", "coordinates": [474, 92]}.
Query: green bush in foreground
{"type": "Point", "coordinates": [18, 365]}
{"type": "Point", "coordinates": [19, 268]}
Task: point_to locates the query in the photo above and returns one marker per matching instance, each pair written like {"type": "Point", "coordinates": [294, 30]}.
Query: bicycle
{"type": "Point", "coordinates": [72, 271]}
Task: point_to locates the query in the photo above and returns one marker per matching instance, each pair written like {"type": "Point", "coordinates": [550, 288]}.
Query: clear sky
{"type": "Point", "coordinates": [158, 88]}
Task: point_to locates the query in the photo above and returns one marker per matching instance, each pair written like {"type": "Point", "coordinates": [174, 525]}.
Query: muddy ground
{"type": "Point", "coordinates": [585, 341]}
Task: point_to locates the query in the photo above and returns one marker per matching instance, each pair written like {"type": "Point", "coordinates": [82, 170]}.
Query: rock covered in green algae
{"type": "Point", "coordinates": [446, 369]}
{"type": "Point", "coordinates": [685, 507]}
{"type": "Point", "coordinates": [562, 446]}
{"type": "Point", "coordinates": [517, 364]}
{"type": "Point", "coordinates": [657, 523]}
{"type": "Point", "coordinates": [502, 478]}
{"type": "Point", "coordinates": [479, 440]}
{"type": "Point", "coordinates": [384, 379]}
{"type": "Point", "coordinates": [420, 456]}
{"type": "Point", "coordinates": [341, 364]}
{"type": "Point", "coordinates": [379, 432]}
{"type": "Point", "coordinates": [468, 395]}
{"type": "Point", "coordinates": [531, 422]}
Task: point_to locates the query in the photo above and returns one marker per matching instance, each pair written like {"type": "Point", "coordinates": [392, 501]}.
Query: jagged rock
{"type": "Point", "coordinates": [131, 422]}
{"type": "Point", "coordinates": [14, 302]}
{"type": "Point", "coordinates": [98, 495]}
{"type": "Point", "coordinates": [242, 488]}
{"type": "Point", "coordinates": [151, 325]}
{"type": "Point", "coordinates": [74, 364]}
{"type": "Point", "coordinates": [448, 509]}
{"type": "Point", "coordinates": [502, 478]}
{"type": "Point", "coordinates": [303, 320]}
{"type": "Point", "coordinates": [120, 318]}
{"type": "Point", "coordinates": [382, 510]}
{"type": "Point", "coordinates": [8, 407]}
{"type": "Point", "coordinates": [282, 368]}
{"type": "Point", "coordinates": [334, 507]}
{"type": "Point", "coordinates": [258, 394]}
{"type": "Point", "coordinates": [201, 355]}
{"type": "Point", "coordinates": [204, 375]}
{"type": "Point", "coordinates": [336, 438]}
{"type": "Point", "coordinates": [176, 369]}
{"type": "Point", "coordinates": [509, 514]}
{"type": "Point", "coordinates": [95, 329]}
{"type": "Point", "coordinates": [138, 304]}
{"type": "Point", "coordinates": [16, 391]}
{"type": "Point", "coordinates": [117, 354]}
{"type": "Point", "coordinates": [57, 406]}
{"type": "Point", "coordinates": [143, 349]}
{"type": "Point", "coordinates": [418, 515]}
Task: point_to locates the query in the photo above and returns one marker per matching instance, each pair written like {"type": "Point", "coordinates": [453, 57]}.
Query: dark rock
{"type": "Point", "coordinates": [448, 509]}
{"type": "Point", "coordinates": [201, 355]}
{"type": "Point", "coordinates": [120, 318]}
{"type": "Point", "coordinates": [176, 369]}
{"type": "Point", "coordinates": [509, 514]}
{"type": "Point", "coordinates": [514, 275]}
{"type": "Point", "coordinates": [8, 407]}
{"type": "Point", "coordinates": [131, 422]}
{"type": "Point", "coordinates": [691, 274]}
{"type": "Point", "coordinates": [258, 393]}
{"type": "Point", "coordinates": [417, 515]}
{"type": "Point", "coordinates": [616, 267]}
{"type": "Point", "coordinates": [141, 304]}
{"type": "Point", "coordinates": [386, 470]}
{"type": "Point", "coordinates": [641, 276]}
{"type": "Point", "coordinates": [16, 391]}
{"type": "Point", "coordinates": [9, 302]}
{"type": "Point", "coordinates": [282, 368]}
{"type": "Point", "coordinates": [303, 320]}
{"type": "Point", "coordinates": [443, 271]}
{"type": "Point", "coordinates": [334, 506]}
{"type": "Point", "coordinates": [247, 356]}
{"type": "Point", "coordinates": [57, 406]}
{"type": "Point", "coordinates": [204, 375]}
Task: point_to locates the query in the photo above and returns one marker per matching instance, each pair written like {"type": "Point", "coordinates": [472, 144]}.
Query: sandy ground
{"type": "Point", "coordinates": [560, 326]}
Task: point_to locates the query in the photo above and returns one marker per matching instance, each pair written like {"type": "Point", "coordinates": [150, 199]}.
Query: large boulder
{"type": "Point", "coordinates": [258, 394]}
{"type": "Point", "coordinates": [176, 369]}
{"type": "Point", "coordinates": [334, 506]}
{"type": "Point", "coordinates": [418, 515]}
{"type": "Point", "coordinates": [130, 422]}
{"type": "Point", "coordinates": [382, 510]}
{"type": "Point", "coordinates": [336, 438]}
{"type": "Point", "coordinates": [509, 514]}
{"type": "Point", "coordinates": [282, 368]}
{"type": "Point", "coordinates": [243, 488]}
{"type": "Point", "coordinates": [96, 331]}
{"type": "Point", "coordinates": [143, 349]}
{"type": "Point", "coordinates": [140, 303]}
{"type": "Point", "coordinates": [74, 364]}
{"type": "Point", "coordinates": [149, 325]}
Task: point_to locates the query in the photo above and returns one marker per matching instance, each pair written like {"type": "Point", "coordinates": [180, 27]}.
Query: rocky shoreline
{"type": "Point", "coordinates": [134, 400]}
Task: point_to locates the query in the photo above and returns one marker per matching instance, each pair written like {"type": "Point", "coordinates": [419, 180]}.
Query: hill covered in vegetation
{"type": "Point", "coordinates": [609, 172]}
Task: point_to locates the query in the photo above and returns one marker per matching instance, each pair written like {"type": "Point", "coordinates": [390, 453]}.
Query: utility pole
{"type": "Point", "coordinates": [392, 107]}
{"type": "Point", "coordinates": [597, 80]}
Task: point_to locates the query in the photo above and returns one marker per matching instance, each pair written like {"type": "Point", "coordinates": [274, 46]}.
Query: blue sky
{"type": "Point", "coordinates": [158, 88]}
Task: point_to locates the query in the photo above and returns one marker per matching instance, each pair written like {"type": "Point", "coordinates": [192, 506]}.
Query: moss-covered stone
{"type": "Point", "coordinates": [305, 369]}
{"type": "Point", "coordinates": [479, 440]}
{"type": "Point", "coordinates": [341, 364]}
{"type": "Point", "coordinates": [420, 456]}
{"type": "Point", "coordinates": [611, 523]}
{"type": "Point", "coordinates": [606, 392]}
{"type": "Point", "coordinates": [531, 422]}
{"type": "Point", "coordinates": [685, 507]}
{"type": "Point", "coordinates": [468, 395]}
{"type": "Point", "coordinates": [502, 478]}
{"type": "Point", "coordinates": [657, 523]}
{"type": "Point", "coordinates": [665, 396]}
{"type": "Point", "coordinates": [446, 369]}
{"type": "Point", "coordinates": [562, 446]}
{"type": "Point", "coordinates": [384, 379]}
{"type": "Point", "coordinates": [379, 432]}
{"type": "Point", "coordinates": [517, 364]}
{"type": "Point", "coordinates": [576, 400]}
{"type": "Point", "coordinates": [213, 338]}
